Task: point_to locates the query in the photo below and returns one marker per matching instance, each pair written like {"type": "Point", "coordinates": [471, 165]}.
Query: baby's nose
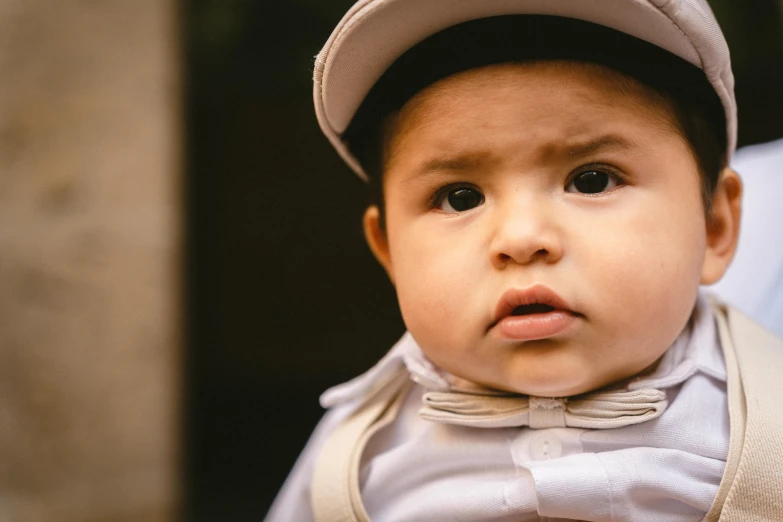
{"type": "Point", "coordinates": [526, 232]}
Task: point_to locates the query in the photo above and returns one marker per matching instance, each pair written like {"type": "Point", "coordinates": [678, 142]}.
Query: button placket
{"type": "Point", "coordinates": [545, 446]}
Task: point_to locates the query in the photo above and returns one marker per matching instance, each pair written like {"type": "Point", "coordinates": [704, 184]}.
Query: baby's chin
{"type": "Point", "coordinates": [549, 384]}
{"type": "Point", "coordinates": [564, 376]}
{"type": "Point", "coordinates": [537, 389]}
{"type": "Point", "coordinates": [550, 389]}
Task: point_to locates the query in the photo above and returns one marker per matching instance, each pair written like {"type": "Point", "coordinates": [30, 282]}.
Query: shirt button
{"type": "Point", "coordinates": [545, 446]}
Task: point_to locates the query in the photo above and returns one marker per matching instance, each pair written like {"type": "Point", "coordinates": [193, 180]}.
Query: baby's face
{"type": "Point", "coordinates": [547, 186]}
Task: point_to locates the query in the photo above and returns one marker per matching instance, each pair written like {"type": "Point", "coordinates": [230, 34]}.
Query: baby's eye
{"type": "Point", "coordinates": [459, 199]}
{"type": "Point", "coordinates": [592, 182]}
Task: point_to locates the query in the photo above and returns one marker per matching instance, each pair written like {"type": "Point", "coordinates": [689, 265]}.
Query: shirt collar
{"type": "Point", "coordinates": [359, 386]}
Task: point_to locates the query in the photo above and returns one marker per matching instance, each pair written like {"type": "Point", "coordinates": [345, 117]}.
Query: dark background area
{"type": "Point", "coordinates": [283, 297]}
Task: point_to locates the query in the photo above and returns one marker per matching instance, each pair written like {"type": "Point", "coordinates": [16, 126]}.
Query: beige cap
{"type": "Point", "coordinates": [374, 33]}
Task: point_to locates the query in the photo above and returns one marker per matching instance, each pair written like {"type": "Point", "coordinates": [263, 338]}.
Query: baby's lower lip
{"type": "Point", "coordinates": [531, 327]}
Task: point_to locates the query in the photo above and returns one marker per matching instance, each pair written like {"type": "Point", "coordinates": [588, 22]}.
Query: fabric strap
{"type": "Point", "coordinates": [752, 484]}
{"type": "Point", "coordinates": [336, 494]}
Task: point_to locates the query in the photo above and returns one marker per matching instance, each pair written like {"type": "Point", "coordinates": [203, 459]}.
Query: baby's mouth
{"type": "Point", "coordinates": [535, 321]}
{"type": "Point", "coordinates": [532, 313]}
{"type": "Point", "coordinates": [536, 308]}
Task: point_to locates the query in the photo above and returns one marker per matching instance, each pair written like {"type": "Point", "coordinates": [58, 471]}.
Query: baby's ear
{"type": "Point", "coordinates": [723, 223]}
{"type": "Point", "coordinates": [377, 239]}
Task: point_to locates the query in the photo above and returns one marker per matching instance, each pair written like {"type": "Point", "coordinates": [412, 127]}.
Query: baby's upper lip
{"type": "Point", "coordinates": [536, 294]}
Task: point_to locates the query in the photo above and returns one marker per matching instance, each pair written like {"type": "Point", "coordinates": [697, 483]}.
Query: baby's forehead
{"type": "Point", "coordinates": [532, 85]}
{"type": "Point", "coordinates": [546, 113]}
{"type": "Point", "coordinates": [533, 72]}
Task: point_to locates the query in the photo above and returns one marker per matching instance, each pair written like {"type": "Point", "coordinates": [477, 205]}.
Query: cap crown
{"type": "Point", "coordinates": [374, 33]}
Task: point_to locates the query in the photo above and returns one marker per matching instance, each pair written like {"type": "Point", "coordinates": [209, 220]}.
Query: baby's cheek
{"type": "Point", "coordinates": [426, 302]}
{"type": "Point", "coordinates": [654, 290]}
{"type": "Point", "coordinates": [434, 300]}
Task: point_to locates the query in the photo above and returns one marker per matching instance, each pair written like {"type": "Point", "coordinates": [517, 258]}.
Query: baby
{"type": "Point", "coordinates": [549, 189]}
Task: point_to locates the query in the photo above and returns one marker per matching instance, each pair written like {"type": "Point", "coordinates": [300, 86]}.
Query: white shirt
{"type": "Point", "coordinates": [667, 468]}
{"type": "Point", "coordinates": [754, 281]}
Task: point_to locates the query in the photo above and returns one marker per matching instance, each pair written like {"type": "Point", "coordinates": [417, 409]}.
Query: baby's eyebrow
{"type": "Point", "coordinates": [606, 142]}
{"type": "Point", "coordinates": [457, 164]}
{"type": "Point", "coordinates": [571, 148]}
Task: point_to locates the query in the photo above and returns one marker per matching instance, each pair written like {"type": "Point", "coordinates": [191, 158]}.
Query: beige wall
{"type": "Point", "coordinates": [89, 213]}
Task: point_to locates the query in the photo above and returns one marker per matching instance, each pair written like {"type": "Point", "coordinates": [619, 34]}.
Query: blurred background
{"type": "Point", "coordinates": [182, 267]}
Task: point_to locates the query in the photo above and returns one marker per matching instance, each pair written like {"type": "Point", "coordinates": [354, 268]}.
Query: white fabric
{"type": "Point", "coordinates": [668, 468]}
{"type": "Point", "coordinates": [754, 281]}
{"type": "Point", "coordinates": [374, 33]}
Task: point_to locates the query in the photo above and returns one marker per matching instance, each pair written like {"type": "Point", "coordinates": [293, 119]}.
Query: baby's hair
{"type": "Point", "coordinates": [683, 89]}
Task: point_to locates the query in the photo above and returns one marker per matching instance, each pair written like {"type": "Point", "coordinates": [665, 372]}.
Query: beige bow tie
{"type": "Point", "coordinates": [598, 410]}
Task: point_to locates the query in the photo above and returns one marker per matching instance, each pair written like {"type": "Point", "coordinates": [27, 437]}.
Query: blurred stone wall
{"type": "Point", "coordinates": [89, 246]}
